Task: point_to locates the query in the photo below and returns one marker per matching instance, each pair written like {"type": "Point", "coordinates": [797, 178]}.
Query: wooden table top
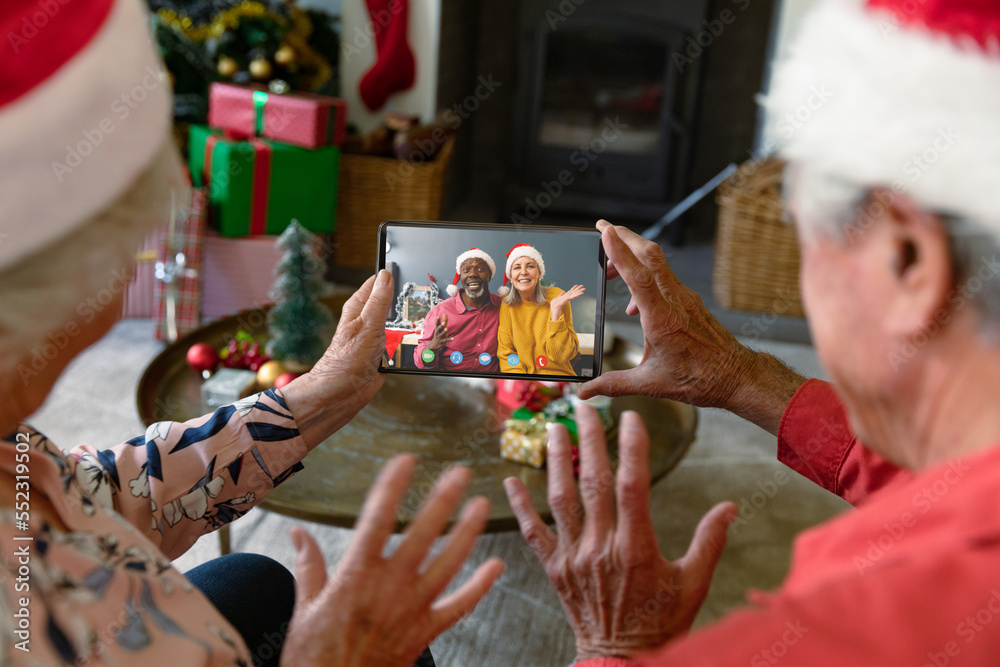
{"type": "Point", "coordinates": [443, 421]}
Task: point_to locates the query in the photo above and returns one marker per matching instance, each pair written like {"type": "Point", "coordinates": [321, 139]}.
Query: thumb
{"type": "Point", "coordinates": [376, 309]}
{"type": "Point", "coordinates": [612, 383]}
{"type": "Point", "coordinates": [708, 544]}
{"type": "Point", "coordinates": [310, 569]}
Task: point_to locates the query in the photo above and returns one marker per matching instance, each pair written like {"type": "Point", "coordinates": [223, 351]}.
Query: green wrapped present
{"type": "Point", "coordinates": [258, 186]}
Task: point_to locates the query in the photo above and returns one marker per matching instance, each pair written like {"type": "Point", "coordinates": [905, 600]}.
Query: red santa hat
{"type": "Point", "coordinates": [84, 108]}
{"type": "Point", "coordinates": [470, 254]}
{"type": "Point", "coordinates": [898, 93]}
{"type": "Point", "coordinates": [515, 253]}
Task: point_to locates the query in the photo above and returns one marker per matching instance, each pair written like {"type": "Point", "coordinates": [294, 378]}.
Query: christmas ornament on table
{"type": "Point", "coordinates": [256, 186]}
{"type": "Point", "coordinates": [395, 68]}
{"type": "Point", "coordinates": [298, 320]}
{"type": "Point", "coordinates": [203, 41]}
{"type": "Point", "coordinates": [243, 352]}
{"type": "Point", "coordinates": [300, 119]}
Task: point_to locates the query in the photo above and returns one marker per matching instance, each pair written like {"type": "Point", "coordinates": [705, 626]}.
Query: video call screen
{"type": "Point", "coordinates": [494, 300]}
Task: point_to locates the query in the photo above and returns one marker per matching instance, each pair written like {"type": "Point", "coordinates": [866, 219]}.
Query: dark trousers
{"type": "Point", "coordinates": [256, 595]}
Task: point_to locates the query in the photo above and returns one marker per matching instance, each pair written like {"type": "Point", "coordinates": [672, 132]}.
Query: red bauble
{"type": "Point", "coordinates": [284, 379]}
{"type": "Point", "coordinates": [202, 357]}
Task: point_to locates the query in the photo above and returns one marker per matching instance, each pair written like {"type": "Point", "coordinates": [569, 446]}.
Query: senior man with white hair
{"type": "Point", "coordinates": [86, 167]}
{"type": "Point", "coordinates": [894, 183]}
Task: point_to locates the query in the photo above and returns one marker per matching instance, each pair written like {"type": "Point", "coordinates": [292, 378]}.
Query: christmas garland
{"type": "Point", "coordinates": [399, 322]}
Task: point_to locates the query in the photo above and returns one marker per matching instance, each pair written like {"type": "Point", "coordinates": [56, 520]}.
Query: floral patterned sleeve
{"type": "Point", "coordinates": [179, 481]}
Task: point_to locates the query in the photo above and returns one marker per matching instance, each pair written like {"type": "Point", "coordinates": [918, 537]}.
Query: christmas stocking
{"type": "Point", "coordinates": [394, 69]}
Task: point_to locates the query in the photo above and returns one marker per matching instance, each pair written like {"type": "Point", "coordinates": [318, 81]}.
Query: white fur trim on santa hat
{"type": "Point", "coordinates": [452, 289]}
{"type": "Point", "coordinates": [515, 254]}
{"type": "Point", "coordinates": [477, 253]}
{"type": "Point", "coordinates": [876, 103]}
{"type": "Point", "coordinates": [77, 141]}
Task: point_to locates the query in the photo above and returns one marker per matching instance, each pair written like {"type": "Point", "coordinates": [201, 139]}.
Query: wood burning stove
{"type": "Point", "coordinates": [604, 111]}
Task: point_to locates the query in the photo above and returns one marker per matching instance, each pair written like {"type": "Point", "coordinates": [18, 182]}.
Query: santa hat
{"type": "Point", "coordinates": [84, 109]}
{"type": "Point", "coordinates": [470, 254]}
{"type": "Point", "coordinates": [518, 251]}
{"type": "Point", "coordinates": [898, 93]}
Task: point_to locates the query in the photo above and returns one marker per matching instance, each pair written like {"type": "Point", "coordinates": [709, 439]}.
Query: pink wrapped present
{"type": "Point", "coordinates": [301, 119]}
{"type": "Point", "coordinates": [237, 273]}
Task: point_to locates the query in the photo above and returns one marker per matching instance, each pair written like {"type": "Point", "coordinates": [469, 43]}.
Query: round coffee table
{"type": "Point", "coordinates": [443, 421]}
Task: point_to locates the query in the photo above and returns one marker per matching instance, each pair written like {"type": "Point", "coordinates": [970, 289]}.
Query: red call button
{"type": "Point", "coordinates": [542, 361]}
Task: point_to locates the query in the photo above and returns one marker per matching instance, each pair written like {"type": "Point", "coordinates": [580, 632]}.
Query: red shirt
{"type": "Point", "coordinates": [910, 578]}
{"type": "Point", "coordinates": [475, 332]}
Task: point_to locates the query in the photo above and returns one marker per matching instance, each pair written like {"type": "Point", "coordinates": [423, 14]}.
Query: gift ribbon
{"type": "Point", "coordinates": [260, 186]}
{"type": "Point", "coordinates": [259, 101]}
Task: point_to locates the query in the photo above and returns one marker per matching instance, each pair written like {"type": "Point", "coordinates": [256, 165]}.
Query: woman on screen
{"type": "Point", "coordinates": [536, 324]}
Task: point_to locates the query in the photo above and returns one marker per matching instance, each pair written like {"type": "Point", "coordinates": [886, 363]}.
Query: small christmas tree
{"type": "Point", "coordinates": [297, 319]}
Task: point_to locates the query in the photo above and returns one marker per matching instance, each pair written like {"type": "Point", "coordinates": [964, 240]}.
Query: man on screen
{"type": "Point", "coordinates": [460, 333]}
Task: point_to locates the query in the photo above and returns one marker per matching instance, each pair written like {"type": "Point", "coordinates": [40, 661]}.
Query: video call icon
{"type": "Point", "coordinates": [512, 359]}
{"type": "Point", "coordinates": [456, 357]}
{"type": "Point", "coordinates": [485, 358]}
{"type": "Point", "coordinates": [427, 356]}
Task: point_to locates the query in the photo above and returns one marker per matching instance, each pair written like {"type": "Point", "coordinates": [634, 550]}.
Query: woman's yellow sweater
{"type": "Point", "coordinates": [528, 331]}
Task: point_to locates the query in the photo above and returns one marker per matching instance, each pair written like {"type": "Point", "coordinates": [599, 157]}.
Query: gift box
{"type": "Point", "coordinates": [258, 186]}
{"type": "Point", "coordinates": [533, 395]}
{"type": "Point", "coordinates": [180, 260]}
{"type": "Point", "coordinates": [300, 119]}
{"type": "Point", "coordinates": [237, 274]}
{"type": "Point", "coordinates": [525, 441]}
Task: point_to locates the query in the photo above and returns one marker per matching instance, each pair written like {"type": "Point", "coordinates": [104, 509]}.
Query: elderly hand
{"type": "Point", "coordinates": [346, 378]}
{"type": "Point", "coordinates": [379, 610]}
{"type": "Point", "coordinates": [688, 356]}
{"type": "Point", "coordinates": [620, 595]}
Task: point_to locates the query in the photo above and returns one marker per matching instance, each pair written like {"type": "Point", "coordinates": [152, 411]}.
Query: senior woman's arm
{"type": "Point", "coordinates": [179, 481]}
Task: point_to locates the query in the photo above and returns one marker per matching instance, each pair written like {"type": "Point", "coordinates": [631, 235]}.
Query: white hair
{"type": "Point", "coordinates": [61, 288]}
{"type": "Point", "coordinates": [839, 209]}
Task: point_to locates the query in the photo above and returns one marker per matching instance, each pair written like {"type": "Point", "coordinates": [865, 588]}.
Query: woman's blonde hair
{"type": "Point", "coordinates": [513, 297]}
{"type": "Point", "coordinates": [57, 291]}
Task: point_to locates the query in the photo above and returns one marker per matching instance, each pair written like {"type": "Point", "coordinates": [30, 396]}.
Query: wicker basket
{"type": "Point", "coordinates": [373, 189]}
{"type": "Point", "coordinates": [756, 251]}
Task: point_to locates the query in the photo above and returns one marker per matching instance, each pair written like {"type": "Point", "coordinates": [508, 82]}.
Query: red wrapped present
{"type": "Point", "coordinates": [237, 274]}
{"type": "Point", "coordinates": [178, 271]}
{"type": "Point", "coordinates": [301, 119]}
{"type": "Point", "coordinates": [528, 393]}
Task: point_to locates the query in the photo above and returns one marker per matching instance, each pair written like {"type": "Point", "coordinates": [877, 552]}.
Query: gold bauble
{"type": "Point", "coordinates": [227, 66]}
{"type": "Point", "coordinates": [260, 68]}
{"type": "Point", "coordinates": [269, 372]}
{"type": "Point", "coordinates": [285, 55]}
